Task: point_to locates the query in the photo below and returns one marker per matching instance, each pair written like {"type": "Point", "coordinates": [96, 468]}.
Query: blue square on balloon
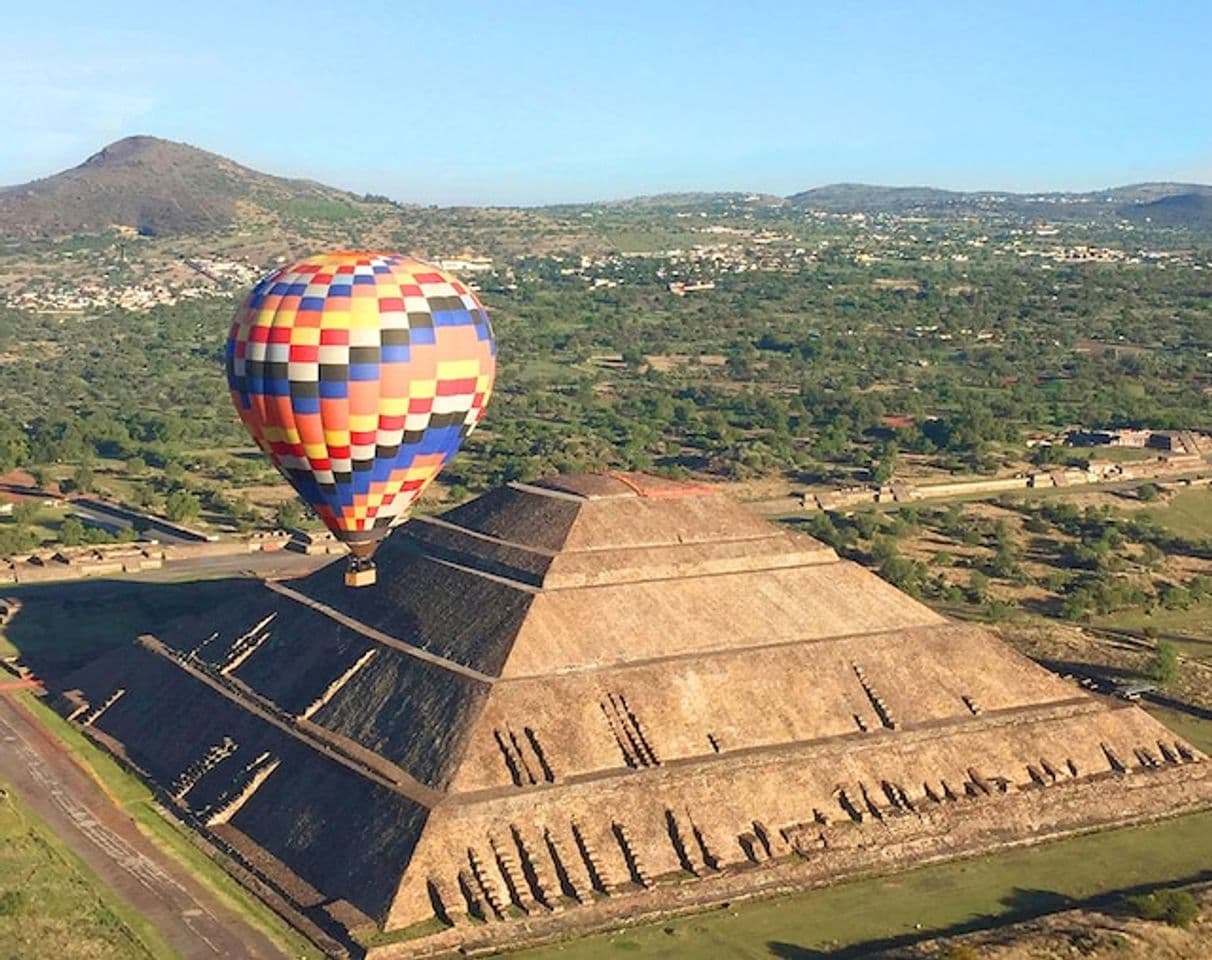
{"type": "Point", "coordinates": [334, 389]}
{"type": "Point", "coordinates": [381, 469]}
{"type": "Point", "coordinates": [422, 336]}
{"type": "Point", "coordinates": [363, 371]}
{"type": "Point", "coordinates": [451, 318]}
{"type": "Point", "coordinates": [394, 353]}
{"type": "Point", "coordinates": [340, 290]}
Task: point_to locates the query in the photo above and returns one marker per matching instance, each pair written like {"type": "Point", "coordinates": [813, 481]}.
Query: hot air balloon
{"type": "Point", "coordinates": [359, 374]}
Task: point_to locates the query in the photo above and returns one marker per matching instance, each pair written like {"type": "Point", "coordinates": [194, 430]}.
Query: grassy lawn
{"type": "Point", "coordinates": [1189, 514]}
{"type": "Point", "coordinates": [131, 794]}
{"type": "Point", "coordinates": [1122, 454]}
{"type": "Point", "coordinates": [953, 896]}
{"type": "Point", "coordinates": [1195, 621]}
{"type": "Point", "coordinates": [51, 905]}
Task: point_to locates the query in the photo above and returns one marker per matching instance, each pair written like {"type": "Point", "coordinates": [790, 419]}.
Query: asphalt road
{"type": "Point", "coordinates": [108, 521]}
{"type": "Point", "coordinates": [45, 776]}
{"type": "Point", "coordinates": [111, 516]}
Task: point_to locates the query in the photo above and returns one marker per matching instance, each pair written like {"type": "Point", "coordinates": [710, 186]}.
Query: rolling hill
{"type": "Point", "coordinates": [160, 188]}
{"type": "Point", "coordinates": [1161, 203]}
{"type": "Point", "coordinates": [1192, 209]}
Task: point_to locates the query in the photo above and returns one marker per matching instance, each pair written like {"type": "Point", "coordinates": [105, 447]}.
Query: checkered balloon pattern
{"type": "Point", "coordinates": [359, 374]}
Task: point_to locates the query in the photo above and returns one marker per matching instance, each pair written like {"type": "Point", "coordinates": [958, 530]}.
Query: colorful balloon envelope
{"type": "Point", "coordinates": [359, 374]}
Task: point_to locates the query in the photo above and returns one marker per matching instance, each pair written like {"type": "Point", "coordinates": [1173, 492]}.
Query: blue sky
{"type": "Point", "coordinates": [528, 102]}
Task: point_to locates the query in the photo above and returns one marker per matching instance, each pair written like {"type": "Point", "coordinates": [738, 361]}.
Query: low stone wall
{"type": "Point", "coordinates": [826, 854]}
{"type": "Point", "coordinates": [1162, 471]}
{"type": "Point", "coordinates": [101, 561]}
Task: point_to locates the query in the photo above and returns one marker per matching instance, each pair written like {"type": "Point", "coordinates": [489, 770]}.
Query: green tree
{"type": "Point", "coordinates": [288, 514]}
{"type": "Point", "coordinates": [978, 587]}
{"type": "Point", "coordinates": [71, 532]}
{"type": "Point", "coordinates": [181, 505]}
{"type": "Point", "coordinates": [24, 512]}
{"type": "Point", "coordinates": [1148, 492]}
{"type": "Point", "coordinates": [1163, 668]}
{"type": "Point", "coordinates": [83, 478]}
{"type": "Point", "coordinates": [43, 477]}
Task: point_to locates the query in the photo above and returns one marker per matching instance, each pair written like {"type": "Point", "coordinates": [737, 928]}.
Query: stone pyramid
{"type": "Point", "coordinates": [606, 696]}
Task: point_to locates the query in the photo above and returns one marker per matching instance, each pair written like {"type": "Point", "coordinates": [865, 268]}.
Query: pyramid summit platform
{"type": "Point", "coordinates": [600, 697]}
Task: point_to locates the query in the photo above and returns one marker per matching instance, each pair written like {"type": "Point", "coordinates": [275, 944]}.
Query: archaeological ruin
{"type": "Point", "coordinates": [600, 697]}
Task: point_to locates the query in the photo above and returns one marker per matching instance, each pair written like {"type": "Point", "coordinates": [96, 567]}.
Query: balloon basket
{"type": "Point", "coordinates": [360, 574]}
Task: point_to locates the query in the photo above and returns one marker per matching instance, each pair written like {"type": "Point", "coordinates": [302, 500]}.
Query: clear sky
{"type": "Point", "coordinates": [533, 101]}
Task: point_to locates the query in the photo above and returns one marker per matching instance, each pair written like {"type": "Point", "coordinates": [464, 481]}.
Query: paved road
{"type": "Point", "coordinates": [194, 923]}
{"type": "Point", "coordinates": [111, 516]}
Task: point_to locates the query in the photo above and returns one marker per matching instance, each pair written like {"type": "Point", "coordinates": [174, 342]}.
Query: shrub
{"type": "Point", "coordinates": [1176, 907]}
{"type": "Point", "coordinates": [1164, 668]}
{"type": "Point", "coordinates": [12, 903]}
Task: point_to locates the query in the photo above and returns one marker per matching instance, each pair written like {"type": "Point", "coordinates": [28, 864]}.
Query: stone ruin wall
{"type": "Point", "coordinates": [882, 800]}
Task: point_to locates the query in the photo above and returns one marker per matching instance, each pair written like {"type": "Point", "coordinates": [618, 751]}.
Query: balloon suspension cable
{"type": "Point", "coordinates": [360, 572]}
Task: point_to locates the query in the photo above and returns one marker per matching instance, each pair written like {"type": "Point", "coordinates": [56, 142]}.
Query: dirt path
{"type": "Point", "coordinates": [48, 780]}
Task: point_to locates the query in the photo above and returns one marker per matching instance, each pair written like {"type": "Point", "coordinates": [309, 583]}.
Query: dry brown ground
{"type": "Point", "coordinates": [1075, 933]}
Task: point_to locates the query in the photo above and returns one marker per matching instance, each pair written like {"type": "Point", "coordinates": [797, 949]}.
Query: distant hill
{"type": "Point", "coordinates": [1178, 210]}
{"type": "Point", "coordinates": [162, 188]}
{"type": "Point", "coordinates": [1163, 203]}
{"type": "Point", "coordinates": [866, 198]}
{"type": "Point", "coordinates": [159, 188]}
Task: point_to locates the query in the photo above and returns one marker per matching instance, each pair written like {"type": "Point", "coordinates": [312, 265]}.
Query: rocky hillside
{"type": "Point", "coordinates": [162, 188]}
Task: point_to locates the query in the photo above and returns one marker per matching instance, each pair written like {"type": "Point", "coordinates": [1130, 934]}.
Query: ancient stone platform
{"type": "Point", "coordinates": [607, 696]}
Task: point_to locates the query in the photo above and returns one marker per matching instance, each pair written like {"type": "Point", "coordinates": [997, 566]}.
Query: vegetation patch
{"type": "Point", "coordinates": [52, 905]}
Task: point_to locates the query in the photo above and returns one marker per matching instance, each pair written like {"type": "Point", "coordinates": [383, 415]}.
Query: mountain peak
{"type": "Point", "coordinates": [143, 147]}
{"type": "Point", "coordinates": [128, 147]}
{"type": "Point", "coordinates": [158, 187]}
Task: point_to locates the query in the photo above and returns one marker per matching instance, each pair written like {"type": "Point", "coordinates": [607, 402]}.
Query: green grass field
{"type": "Point", "coordinates": [51, 905]}
{"type": "Point", "coordinates": [955, 896]}
{"type": "Point", "coordinates": [1195, 621]}
{"type": "Point", "coordinates": [1120, 454]}
{"type": "Point", "coordinates": [1189, 514]}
